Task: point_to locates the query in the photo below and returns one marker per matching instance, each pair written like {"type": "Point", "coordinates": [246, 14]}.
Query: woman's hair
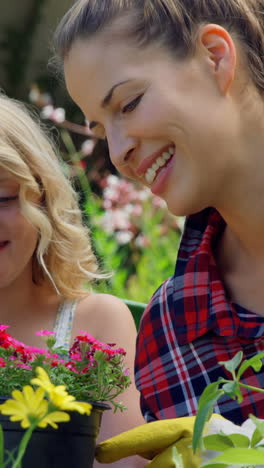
{"type": "Point", "coordinates": [173, 23]}
{"type": "Point", "coordinates": [63, 254]}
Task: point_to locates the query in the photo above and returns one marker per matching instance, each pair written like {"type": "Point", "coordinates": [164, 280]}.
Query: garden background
{"type": "Point", "coordinates": [133, 234]}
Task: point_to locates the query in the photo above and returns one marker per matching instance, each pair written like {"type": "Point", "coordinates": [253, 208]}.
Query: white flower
{"type": "Point", "coordinates": [144, 194]}
{"type": "Point", "coordinates": [112, 180]}
{"type": "Point", "coordinates": [124, 237]}
{"type": "Point", "coordinates": [88, 147]}
{"type": "Point", "coordinates": [47, 112]}
{"type": "Point", "coordinates": [58, 115]}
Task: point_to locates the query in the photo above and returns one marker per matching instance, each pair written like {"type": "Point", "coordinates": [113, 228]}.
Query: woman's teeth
{"type": "Point", "coordinates": [160, 162]}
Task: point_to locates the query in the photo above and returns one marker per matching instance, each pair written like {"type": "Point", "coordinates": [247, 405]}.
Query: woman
{"type": "Point", "coordinates": [46, 255]}
{"type": "Point", "coordinates": [176, 87]}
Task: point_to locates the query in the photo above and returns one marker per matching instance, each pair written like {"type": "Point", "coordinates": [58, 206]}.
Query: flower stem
{"type": "Point", "coordinates": [23, 445]}
{"type": "Point", "coordinates": [1, 447]}
{"type": "Point", "coordinates": [249, 387]}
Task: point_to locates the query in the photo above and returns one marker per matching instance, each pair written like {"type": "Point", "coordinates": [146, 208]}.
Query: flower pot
{"type": "Point", "coordinates": [71, 445]}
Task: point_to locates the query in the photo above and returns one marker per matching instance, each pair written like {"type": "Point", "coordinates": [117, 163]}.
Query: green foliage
{"type": "Point", "coordinates": [238, 457]}
{"type": "Point", "coordinates": [238, 450]}
{"type": "Point", "coordinates": [137, 270]}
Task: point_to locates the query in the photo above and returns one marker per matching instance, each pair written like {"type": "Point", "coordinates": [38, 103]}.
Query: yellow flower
{"type": "Point", "coordinates": [43, 380]}
{"type": "Point", "coordinates": [26, 406]}
{"type": "Point", "coordinates": [62, 400]}
{"type": "Point", "coordinates": [53, 418]}
{"type": "Point", "coordinates": [30, 406]}
{"type": "Point", "coordinates": [58, 396]}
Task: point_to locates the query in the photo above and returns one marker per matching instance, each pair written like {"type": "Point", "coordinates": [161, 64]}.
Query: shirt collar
{"type": "Point", "coordinates": [199, 299]}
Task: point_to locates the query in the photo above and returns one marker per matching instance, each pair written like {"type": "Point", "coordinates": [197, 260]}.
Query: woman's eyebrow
{"type": "Point", "coordinates": [107, 99]}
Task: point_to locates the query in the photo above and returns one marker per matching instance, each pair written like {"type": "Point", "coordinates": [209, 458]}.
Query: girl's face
{"type": "Point", "coordinates": [165, 120]}
{"type": "Point", "coordinates": [18, 238]}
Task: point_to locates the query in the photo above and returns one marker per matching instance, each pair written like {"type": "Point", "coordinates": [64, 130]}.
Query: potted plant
{"type": "Point", "coordinates": [51, 386]}
{"type": "Point", "coordinates": [241, 446]}
{"type": "Point", "coordinates": [206, 440]}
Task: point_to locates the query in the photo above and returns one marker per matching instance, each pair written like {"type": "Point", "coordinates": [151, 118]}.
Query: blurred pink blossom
{"type": "Point", "coordinates": [88, 147]}
{"type": "Point", "coordinates": [142, 241]}
{"type": "Point", "coordinates": [57, 114]}
{"type": "Point", "coordinates": [124, 204]}
{"type": "Point", "coordinates": [123, 237]}
{"type": "Point", "coordinates": [44, 333]}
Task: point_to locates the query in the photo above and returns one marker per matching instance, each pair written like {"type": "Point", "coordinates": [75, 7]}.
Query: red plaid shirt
{"type": "Point", "coordinates": [189, 326]}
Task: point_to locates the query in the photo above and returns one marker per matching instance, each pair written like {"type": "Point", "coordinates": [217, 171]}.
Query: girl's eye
{"type": "Point", "coordinates": [132, 105]}
{"type": "Point", "coordinates": [6, 200]}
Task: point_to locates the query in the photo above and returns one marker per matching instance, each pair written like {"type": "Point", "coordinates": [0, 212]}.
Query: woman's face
{"type": "Point", "coordinates": [166, 122]}
{"type": "Point", "coordinates": [18, 238]}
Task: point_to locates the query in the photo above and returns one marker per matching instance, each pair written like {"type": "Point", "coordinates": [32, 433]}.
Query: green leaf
{"type": "Point", "coordinates": [215, 465]}
{"type": "Point", "coordinates": [231, 365]}
{"type": "Point", "coordinates": [177, 458]}
{"type": "Point", "coordinates": [255, 362]}
{"type": "Point", "coordinates": [218, 442]}
{"type": "Point", "coordinates": [256, 438]}
{"type": "Point", "coordinates": [202, 416]}
{"type": "Point", "coordinates": [259, 423]}
{"type": "Point", "coordinates": [238, 457]}
{"type": "Point", "coordinates": [239, 440]}
{"type": "Point", "coordinates": [208, 393]}
{"type": "Point", "coordinates": [232, 389]}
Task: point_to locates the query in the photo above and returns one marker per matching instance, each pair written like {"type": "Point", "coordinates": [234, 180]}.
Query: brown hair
{"type": "Point", "coordinates": [171, 22]}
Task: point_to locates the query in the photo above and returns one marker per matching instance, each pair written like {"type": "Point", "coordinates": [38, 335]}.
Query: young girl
{"type": "Point", "coordinates": [176, 87]}
{"type": "Point", "coordinates": [46, 259]}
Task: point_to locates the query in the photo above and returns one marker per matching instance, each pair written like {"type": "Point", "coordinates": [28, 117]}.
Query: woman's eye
{"type": "Point", "coordinates": [132, 105]}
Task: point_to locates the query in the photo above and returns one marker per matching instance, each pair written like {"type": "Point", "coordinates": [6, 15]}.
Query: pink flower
{"type": "Point", "coordinates": [3, 327]}
{"type": "Point", "coordinates": [76, 356]}
{"type": "Point", "coordinates": [142, 241]}
{"type": "Point", "coordinates": [44, 333]}
{"type": "Point", "coordinates": [2, 362]}
{"type": "Point", "coordinates": [23, 366]}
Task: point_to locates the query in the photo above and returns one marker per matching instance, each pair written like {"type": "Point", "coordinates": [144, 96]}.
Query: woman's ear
{"type": "Point", "coordinates": [221, 51]}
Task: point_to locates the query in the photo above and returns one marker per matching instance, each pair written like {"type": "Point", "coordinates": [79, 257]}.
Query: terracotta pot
{"type": "Point", "coordinates": [72, 445]}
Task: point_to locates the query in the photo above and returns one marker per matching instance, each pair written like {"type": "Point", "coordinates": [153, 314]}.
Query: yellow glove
{"type": "Point", "coordinates": [166, 459]}
{"type": "Point", "coordinates": [147, 440]}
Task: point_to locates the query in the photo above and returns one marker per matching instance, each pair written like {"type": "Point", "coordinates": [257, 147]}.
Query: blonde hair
{"type": "Point", "coordinates": [173, 23]}
{"type": "Point", "coordinates": [63, 254]}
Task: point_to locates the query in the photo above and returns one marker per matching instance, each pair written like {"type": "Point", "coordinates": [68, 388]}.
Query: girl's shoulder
{"type": "Point", "coordinates": [103, 315]}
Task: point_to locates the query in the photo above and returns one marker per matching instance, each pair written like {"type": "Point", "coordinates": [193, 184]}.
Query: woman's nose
{"type": "Point", "coordinates": [120, 149]}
